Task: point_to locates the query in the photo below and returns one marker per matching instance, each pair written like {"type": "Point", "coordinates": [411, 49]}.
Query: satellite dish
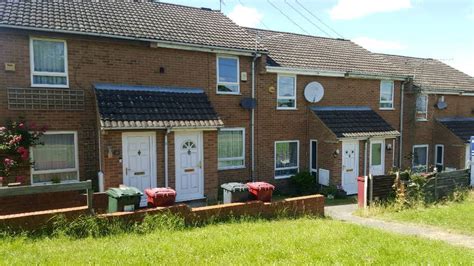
{"type": "Point", "coordinates": [313, 92]}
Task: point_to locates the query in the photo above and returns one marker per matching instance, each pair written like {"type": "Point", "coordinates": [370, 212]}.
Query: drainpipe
{"type": "Point", "coordinates": [365, 156]}
{"type": "Point", "coordinates": [166, 156]}
{"type": "Point", "coordinates": [252, 122]}
{"type": "Point", "coordinates": [400, 149]}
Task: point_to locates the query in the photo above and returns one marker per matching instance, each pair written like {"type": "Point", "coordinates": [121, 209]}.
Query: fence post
{"type": "Point", "coordinates": [371, 182]}
{"type": "Point", "coordinates": [436, 186]}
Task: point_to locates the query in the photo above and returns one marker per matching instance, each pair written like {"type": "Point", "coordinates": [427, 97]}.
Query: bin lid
{"type": "Point", "coordinates": [160, 191]}
{"type": "Point", "coordinates": [260, 186]}
{"type": "Point", "coordinates": [123, 191]}
{"type": "Point", "coordinates": [234, 186]}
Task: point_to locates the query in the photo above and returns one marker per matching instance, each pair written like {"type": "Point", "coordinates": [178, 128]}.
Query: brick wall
{"type": "Point", "coordinates": [431, 133]}
{"type": "Point", "coordinates": [301, 124]}
{"type": "Point", "coordinates": [92, 60]}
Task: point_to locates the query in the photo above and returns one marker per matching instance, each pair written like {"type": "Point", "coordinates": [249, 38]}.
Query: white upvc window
{"type": "Point", "coordinates": [56, 159]}
{"type": "Point", "coordinates": [386, 94]}
{"type": "Point", "coordinates": [286, 158]}
{"type": "Point", "coordinates": [439, 157]}
{"type": "Point", "coordinates": [422, 107]}
{"type": "Point", "coordinates": [228, 80]}
{"type": "Point", "coordinates": [48, 63]}
{"type": "Point", "coordinates": [231, 148]}
{"type": "Point", "coordinates": [420, 158]}
{"type": "Point", "coordinates": [286, 92]}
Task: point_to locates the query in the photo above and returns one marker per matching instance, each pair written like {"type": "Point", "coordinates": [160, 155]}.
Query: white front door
{"type": "Point", "coordinates": [139, 161]}
{"type": "Point", "coordinates": [189, 165]}
{"type": "Point", "coordinates": [377, 157]}
{"type": "Point", "coordinates": [350, 166]}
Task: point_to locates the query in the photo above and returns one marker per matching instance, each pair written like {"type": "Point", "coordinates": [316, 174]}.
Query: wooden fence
{"type": "Point", "coordinates": [445, 183]}
{"type": "Point", "coordinates": [380, 187]}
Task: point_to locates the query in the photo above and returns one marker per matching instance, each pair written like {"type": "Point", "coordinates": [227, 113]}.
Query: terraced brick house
{"type": "Point", "coordinates": [152, 94]}
{"type": "Point", "coordinates": [438, 114]}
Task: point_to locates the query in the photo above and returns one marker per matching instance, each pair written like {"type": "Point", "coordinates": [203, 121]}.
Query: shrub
{"type": "Point", "coordinates": [304, 183]}
{"type": "Point", "coordinates": [329, 190]}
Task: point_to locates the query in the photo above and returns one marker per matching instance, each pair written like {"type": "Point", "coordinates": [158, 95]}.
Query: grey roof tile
{"type": "Point", "coordinates": [463, 127]}
{"type": "Point", "coordinates": [141, 20]}
{"type": "Point", "coordinates": [293, 50]}
{"type": "Point", "coordinates": [432, 74]}
{"type": "Point", "coordinates": [123, 106]}
{"type": "Point", "coordinates": [354, 121]}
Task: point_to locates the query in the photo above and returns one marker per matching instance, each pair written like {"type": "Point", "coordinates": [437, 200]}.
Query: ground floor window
{"type": "Point", "coordinates": [439, 157]}
{"type": "Point", "coordinates": [420, 158]}
{"type": "Point", "coordinates": [56, 160]}
{"type": "Point", "coordinates": [286, 158]}
{"type": "Point", "coordinates": [231, 148]}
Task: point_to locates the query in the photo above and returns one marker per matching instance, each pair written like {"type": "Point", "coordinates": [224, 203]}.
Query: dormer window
{"type": "Point", "coordinates": [48, 59]}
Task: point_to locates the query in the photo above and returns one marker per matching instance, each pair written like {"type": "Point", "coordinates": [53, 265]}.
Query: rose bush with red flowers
{"type": "Point", "coordinates": [16, 138]}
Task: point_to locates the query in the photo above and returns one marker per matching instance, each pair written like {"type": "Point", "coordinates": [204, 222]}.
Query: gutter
{"type": "Point", "coordinates": [154, 42]}
{"type": "Point", "coordinates": [166, 156]}
{"type": "Point", "coordinates": [252, 122]}
{"type": "Point", "coordinates": [329, 73]}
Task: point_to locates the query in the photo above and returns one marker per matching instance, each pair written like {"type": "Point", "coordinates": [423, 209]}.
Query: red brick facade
{"type": "Point", "coordinates": [431, 132]}
{"type": "Point", "coordinates": [92, 60]}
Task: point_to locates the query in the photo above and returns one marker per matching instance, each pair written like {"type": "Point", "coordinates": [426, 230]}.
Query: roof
{"type": "Point", "coordinates": [462, 127]}
{"type": "Point", "coordinates": [298, 51]}
{"type": "Point", "coordinates": [432, 74]}
{"type": "Point", "coordinates": [124, 106]}
{"type": "Point", "coordinates": [354, 121]}
{"type": "Point", "coordinates": [145, 20]}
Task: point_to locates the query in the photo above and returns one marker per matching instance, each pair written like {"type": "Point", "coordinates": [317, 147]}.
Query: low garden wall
{"type": "Point", "coordinates": [306, 205]}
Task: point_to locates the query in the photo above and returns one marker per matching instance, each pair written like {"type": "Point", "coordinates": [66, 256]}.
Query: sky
{"type": "Point", "coordinates": [439, 29]}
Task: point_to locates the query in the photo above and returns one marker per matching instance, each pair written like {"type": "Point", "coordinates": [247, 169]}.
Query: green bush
{"type": "Point", "coordinates": [304, 183]}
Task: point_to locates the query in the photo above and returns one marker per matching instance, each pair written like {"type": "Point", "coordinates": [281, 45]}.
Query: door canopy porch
{"type": "Point", "coordinates": [354, 122]}
{"type": "Point", "coordinates": [151, 107]}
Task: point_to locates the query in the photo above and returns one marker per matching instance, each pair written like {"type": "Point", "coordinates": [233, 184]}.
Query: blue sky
{"type": "Point", "coordinates": [440, 29]}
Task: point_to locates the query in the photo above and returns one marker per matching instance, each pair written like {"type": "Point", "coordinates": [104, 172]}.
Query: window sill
{"type": "Point", "coordinates": [422, 120]}
{"type": "Point", "coordinates": [231, 168]}
{"type": "Point", "coordinates": [387, 109]}
{"type": "Point", "coordinates": [49, 86]}
{"type": "Point", "coordinates": [283, 177]}
{"type": "Point", "coordinates": [287, 109]}
{"type": "Point", "coordinates": [51, 183]}
{"type": "Point", "coordinates": [229, 93]}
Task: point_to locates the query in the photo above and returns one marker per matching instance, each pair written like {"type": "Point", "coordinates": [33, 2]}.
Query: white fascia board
{"type": "Point", "coordinates": [302, 71]}
{"type": "Point", "coordinates": [376, 76]}
{"type": "Point", "coordinates": [174, 45]}
{"type": "Point", "coordinates": [458, 92]}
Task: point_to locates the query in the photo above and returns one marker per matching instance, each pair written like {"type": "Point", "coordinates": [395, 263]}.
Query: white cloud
{"type": "Point", "coordinates": [245, 16]}
{"type": "Point", "coordinates": [375, 45]}
{"type": "Point", "coordinates": [352, 9]}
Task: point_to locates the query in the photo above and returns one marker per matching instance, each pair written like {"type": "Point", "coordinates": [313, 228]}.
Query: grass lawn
{"type": "Point", "coordinates": [458, 217]}
{"type": "Point", "coordinates": [300, 241]}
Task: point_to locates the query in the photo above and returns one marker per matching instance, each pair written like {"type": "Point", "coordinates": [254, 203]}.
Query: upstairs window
{"type": "Point", "coordinates": [48, 63]}
{"type": "Point", "coordinates": [386, 94]}
{"type": "Point", "coordinates": [228, 75]}
{"type": "Point", "coordinates": [231, 148]}
{"type": "Point", "coordinates": [286, 95]}
{"type": "Point", "coordinates": [422, 108]}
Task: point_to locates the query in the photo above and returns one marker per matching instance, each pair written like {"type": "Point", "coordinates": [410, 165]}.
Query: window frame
{"type": "Point", "coordinates": [228, 83]}
{"type": "Point", "coordinates": [426, 146]}
{"type": "Point", "coordinates": [426, 106]}
{"type": "Point", "coordinates": [311, 155]}
{"type": "Point", "coordinates": [436, 155]}
{"type": "Point", "coordinates": [233, 158]}
{"type": "Point", "coordinates": [297, 167]}
{"type": "Point", "coordinates": [76, 161]}
{"type": "Point", "coordinates": [286, 97]}
{"type": "Point", "coordinates": [49, 74]}
{"type": "Point", "coordinates": [393, 96]}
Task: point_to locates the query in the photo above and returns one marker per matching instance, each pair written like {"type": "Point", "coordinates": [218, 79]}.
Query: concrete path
{"type": "Point", "coordinates": [344, 213]}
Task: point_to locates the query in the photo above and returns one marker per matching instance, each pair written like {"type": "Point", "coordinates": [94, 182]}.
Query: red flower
{"type": "Point", "coordinates": [2, 129]}
{"type": "Point", "coordinates": [33, 126]}
{"type": "Point", "coordinates": [8, 162]}
{"type": "Point", "coordinates": [24, 153]}
{"type": "Point", "coordinates": [21, 126]}
{"type": "Point", "coordinates": [15, 140]}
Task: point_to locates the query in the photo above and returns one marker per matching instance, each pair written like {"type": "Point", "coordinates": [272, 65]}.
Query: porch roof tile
{"type": "Point", "coordinates": [354, 121]}
{"type": "Point", "coordinates": [462, 127]}
{"type": "Point", "coordinates": [129, 107]}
